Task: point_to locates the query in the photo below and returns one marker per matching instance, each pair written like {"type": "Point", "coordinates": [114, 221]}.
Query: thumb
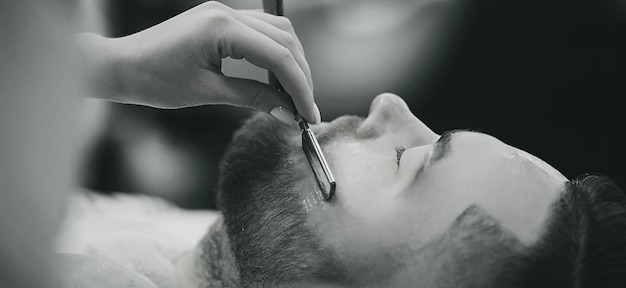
{"type": "Point", "coordinates": [256, 95]}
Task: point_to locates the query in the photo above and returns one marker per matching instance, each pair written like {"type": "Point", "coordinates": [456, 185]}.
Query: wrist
{"type": "Point", "coordinates": [103, 66]}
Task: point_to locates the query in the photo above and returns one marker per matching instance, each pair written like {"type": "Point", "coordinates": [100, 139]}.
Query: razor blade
{"type": "Point", "coordinates": [317, 161]}
{"type": "Point", "coordinates": [310, 145]}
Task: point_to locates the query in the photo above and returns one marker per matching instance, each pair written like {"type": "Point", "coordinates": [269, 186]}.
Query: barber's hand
{"type": "Point", "coordinates": [177, 63]}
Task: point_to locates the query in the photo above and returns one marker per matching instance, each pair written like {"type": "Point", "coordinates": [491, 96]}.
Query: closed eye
{"type": "Point", "coordinates": [399, 151]}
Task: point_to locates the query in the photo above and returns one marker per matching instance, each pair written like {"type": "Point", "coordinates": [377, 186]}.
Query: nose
{"type": "Point", "coordinates": [390, 114]}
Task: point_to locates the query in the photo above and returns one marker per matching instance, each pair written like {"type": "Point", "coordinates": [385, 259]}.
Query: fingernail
{"type": "Point", "coordinates": [318, 116]}
{"type": "Point", "coordinates": [283, 114]}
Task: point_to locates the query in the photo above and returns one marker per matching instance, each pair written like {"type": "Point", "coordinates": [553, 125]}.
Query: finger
{"type": "Point", "coordinates": [252, 94]}
{"type": "Point", "coordinates": [280, 22]}
{"type": "Point", "coordinates": [286, 37]}
{"type": "Point", "coordinates": [282, 66]}
{"type": "Point", "coordinates": [260, 50]}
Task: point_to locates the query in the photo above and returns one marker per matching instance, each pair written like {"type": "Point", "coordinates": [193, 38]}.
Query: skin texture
{"type": "Point", "coordinates": [384, 211]}
{"type": "Point", "coordinates": [178, 62]}
{"type": "Point", "coordinates": [75, 270]}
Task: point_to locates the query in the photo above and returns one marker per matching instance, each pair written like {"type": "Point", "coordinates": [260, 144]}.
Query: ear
{"type": "Point", "coordinates": [212, 262]}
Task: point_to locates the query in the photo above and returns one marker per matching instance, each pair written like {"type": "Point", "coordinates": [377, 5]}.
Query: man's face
{"type": "Point", "coordinates": [400, 185]}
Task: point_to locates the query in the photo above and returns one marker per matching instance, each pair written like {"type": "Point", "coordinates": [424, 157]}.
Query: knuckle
{"type": "Point", "coordinates": [219, 18]}
{"type": "Point", "coordinates": [213, 5]}
{"type": "Point", "coordinates": [284, 23]}
{"type": "Point", "coordinates": [283, 56]}
{"type": "Point", "coordinates": [287, 39]}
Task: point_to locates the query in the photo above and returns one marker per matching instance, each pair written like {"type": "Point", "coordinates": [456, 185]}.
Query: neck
{"type": "Point", "coordinates": [211, 264]}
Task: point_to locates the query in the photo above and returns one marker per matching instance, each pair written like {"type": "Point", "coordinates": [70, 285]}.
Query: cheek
{"type": "Point", "coordinates": [447, 188]}
{"type": "Point", "coordinates": [367, 203]}
{"type": "Point", "coordinates": [370, 208]}
{"type": "Point", "coordinates": [452, 188]}
{"type": "Point", "coordinates": [364, 197]}
{"type": "Point", "coordinates": [365, 184]}
{"type": "Point", "coordinates": [361, 228]}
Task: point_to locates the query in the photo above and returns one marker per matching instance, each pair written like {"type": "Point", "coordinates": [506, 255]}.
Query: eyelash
{"type": "Point", "coordinates": [399, 151]}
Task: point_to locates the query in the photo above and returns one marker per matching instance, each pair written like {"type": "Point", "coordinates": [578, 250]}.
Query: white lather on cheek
{"type": "Point", "coordinates": [313, 198]}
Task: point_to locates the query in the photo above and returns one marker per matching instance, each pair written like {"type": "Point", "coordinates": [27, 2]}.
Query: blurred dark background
{"type": "Point", "coordinates": [548, 77]}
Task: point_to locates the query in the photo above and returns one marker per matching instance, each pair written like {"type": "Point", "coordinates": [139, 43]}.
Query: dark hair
{"type": "Point", "coordinates": [266, 224]}
{"type": "Point", "coordinates": [584, 243]}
